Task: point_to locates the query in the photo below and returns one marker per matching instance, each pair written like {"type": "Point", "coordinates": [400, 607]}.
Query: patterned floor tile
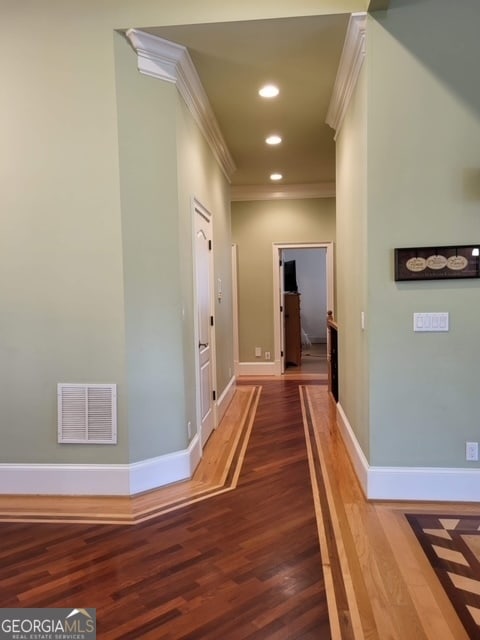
{"type": "Point", "coordinates": [452, 546]}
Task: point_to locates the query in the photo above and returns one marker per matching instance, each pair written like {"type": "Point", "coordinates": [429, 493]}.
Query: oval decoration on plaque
{"type": "Point", "coordinates": [457, 263]}
{"type": "Point", "coordinates": [416, 264]}
{"type": "Point", "coordinates": [436, 261]}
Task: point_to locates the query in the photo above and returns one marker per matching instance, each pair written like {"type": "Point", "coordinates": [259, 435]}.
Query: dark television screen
{"type": "Point", "coordinates": [290, 276]}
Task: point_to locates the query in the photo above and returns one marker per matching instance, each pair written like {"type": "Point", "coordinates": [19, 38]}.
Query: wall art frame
{"type": "Point", "coordinates": [437, 263]}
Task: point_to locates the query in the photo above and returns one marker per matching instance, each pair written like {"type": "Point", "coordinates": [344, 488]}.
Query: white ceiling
{"type": "Point", "coordinates": [301, 56]}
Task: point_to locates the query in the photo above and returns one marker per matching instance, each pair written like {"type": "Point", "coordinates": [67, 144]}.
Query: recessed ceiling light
{"type": "Point", "coordinates": [273, 139]}
{"type": "Point", "coordinates": [269, 91]}
{"type": "Point", "coordinates": [276, 176]}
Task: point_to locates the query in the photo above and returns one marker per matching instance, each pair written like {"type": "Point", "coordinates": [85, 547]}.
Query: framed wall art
{"type": "Point", "coordinates": [437, 263]}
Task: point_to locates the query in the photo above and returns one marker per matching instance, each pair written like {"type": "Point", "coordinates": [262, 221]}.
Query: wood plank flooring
{"type": "Point", "coordinates": [396, 594]}
{"type": "Point", "coordinates": [286, 548]}
{"type": "Point", "coordinates": [243, 564]}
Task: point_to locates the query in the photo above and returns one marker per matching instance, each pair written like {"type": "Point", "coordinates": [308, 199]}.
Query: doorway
{"type": "Point", "coordinates": [204, 330]}
{"type": "Point", "coordinates": [303, 288]}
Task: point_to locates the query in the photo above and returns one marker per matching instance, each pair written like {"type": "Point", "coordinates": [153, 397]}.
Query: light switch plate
{"type": "Point", "coordinates": [434, 321]}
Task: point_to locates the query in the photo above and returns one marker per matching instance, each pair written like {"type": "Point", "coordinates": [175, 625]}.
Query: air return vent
{"type": "Point", "coordinates": [87, 413]}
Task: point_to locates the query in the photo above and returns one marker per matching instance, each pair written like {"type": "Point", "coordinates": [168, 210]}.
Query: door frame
{"type": "Point", "coordinates": [236, 346]}
{"type": "Point", "coordinates": [277, 249]}
{"type": "Point", "coordinates": [197, 205]}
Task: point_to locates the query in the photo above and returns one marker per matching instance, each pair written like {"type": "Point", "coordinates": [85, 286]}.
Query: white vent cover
{"type": "Point", "coordinates": [87, 413]}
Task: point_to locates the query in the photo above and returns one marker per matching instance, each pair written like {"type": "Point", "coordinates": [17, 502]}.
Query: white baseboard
{"type": "Point", "coordinates": [409, 483]}
{"type": "Point", "coordinates": [65, 479]}
{"type": "Point", "coordinates": [357, 457]}
{"type": "Point", "coordinates": [100, 479]}
{"type": "Point", "coordinates": [424, 483]}
{"type": "Point", "coordinates": [224, 400]}
{"type": "Point", "coordinates": [171, 467]}
{"type": "Point", "coordinates": [257, 368]}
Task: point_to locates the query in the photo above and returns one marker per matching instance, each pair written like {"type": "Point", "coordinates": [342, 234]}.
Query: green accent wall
{"type": "Point", "coordinates": [151, 249]}
{"type": "Point", "coordinates": [411, 398]}
{"type": "Point", "coordinates": [96, 187]}
{"type": "Point", "coordinates": [199, 176]}
{"type": "Point", "coordinates": [61, 264]}
{"type": "Point", "coordinates": [423, 148]}
{"type": "Point", "coordinates": [256, 225]}
{"type": "Point", "coordinates": [351, 262]}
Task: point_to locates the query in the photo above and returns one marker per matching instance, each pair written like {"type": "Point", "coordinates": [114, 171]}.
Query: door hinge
{"type": "Point", "coordinates": [281, 308]}
{"type": "Point", "coordinates": [214, 394]}
{"type": "Point", "coordinates": [280, 263]}
{"type": "Point", "coordinates": [211, 321]}
{"type": "Point", "coordinates": [209, 245]}
{"type": "Point", "coordinates": [281, 354]}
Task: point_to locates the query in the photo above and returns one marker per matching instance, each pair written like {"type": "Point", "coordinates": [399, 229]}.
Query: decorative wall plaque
{"type": "Point", "coordinates": [437, 263]}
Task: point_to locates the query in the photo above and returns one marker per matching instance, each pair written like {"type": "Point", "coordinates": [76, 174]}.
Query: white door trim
{"type": "Point", "coordinates": [276, 253]}
{"type": "Point", "coordinates": [236, 347]}
{"type": "Point", "coordinates": [198, 206]}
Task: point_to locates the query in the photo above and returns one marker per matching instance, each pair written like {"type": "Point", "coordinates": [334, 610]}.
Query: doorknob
{"type": "Point", "coordinates": [202, 344]}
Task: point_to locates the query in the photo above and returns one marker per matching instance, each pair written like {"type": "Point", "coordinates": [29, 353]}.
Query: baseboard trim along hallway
{"type": "Point", "coordinates": [408, 483]}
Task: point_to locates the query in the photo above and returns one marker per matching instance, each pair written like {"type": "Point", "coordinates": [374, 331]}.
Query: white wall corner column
{"type": "Point", "coordinates": [351, 61]}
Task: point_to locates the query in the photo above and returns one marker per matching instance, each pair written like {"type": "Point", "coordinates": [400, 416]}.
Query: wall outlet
{"type": "Point", "coordinates": [189, 430]}
{"type": "Point", "coordinates": [258, 352]}
{"type": "Point", "coordinates": [471, 451]}
{"type": "Point", "coordinates": [267, 355]}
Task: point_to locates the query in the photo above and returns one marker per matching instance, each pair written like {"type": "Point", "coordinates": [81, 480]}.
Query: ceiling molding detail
{"type": "Point", "coordinates": [171, 62]}
{"type": "Point", "coordinates": [351, 61]}
{"type": "Point", "coordinates": [282, 192]}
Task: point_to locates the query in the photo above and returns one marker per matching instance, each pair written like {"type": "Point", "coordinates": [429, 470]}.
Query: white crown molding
{"type": "Point", "coordinates": [351, 62]}
{"type": "Point", "coordinates": [282, 192]}
{"type": "Point", "coordinates": [171, 62]}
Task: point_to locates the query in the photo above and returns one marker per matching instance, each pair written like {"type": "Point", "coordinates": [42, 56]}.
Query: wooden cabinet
{"type": "Point", "coordinates": [332, 355]}
{"type": "Point", "coordinates": [293, 333]}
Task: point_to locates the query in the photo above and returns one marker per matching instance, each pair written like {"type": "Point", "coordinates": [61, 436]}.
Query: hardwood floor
{"type": "Point", "coordinates": [391, 588]}
{"type": "Point", "coordinates": [243, 564]}
{"type": "Point", "coordinates": [272, 539]}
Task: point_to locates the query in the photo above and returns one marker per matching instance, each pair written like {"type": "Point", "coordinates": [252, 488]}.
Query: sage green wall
{"type": "Point", "coordinates": [200, 176]}
{"type": "Point", "coordinates": [61, 265]}
{"type": "Point", "coordinates": [423, 190]}
{"type": "Point", "coordinates": [256, 226]}
{"type": "Point", "coordinates": [153, 302]}
{"type": "Point", "coordinates": [351, 261]}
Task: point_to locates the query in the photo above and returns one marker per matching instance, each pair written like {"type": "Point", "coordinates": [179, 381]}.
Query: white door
{"type": "Point", "coordinates": [281, 294]}
{"type": "Point", "coordinates": [203, 264]}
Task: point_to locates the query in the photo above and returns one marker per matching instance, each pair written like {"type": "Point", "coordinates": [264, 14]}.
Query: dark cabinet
{"type": "Point", "coordinates": [332, 356]}
{"type": "Point", "coordinates": [293, 333]}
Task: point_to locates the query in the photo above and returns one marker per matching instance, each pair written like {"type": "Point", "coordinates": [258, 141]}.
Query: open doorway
{"type": "Point", "coordinates": [304, 286]}
{"type": "Point", "coordinates": [305, 310]}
